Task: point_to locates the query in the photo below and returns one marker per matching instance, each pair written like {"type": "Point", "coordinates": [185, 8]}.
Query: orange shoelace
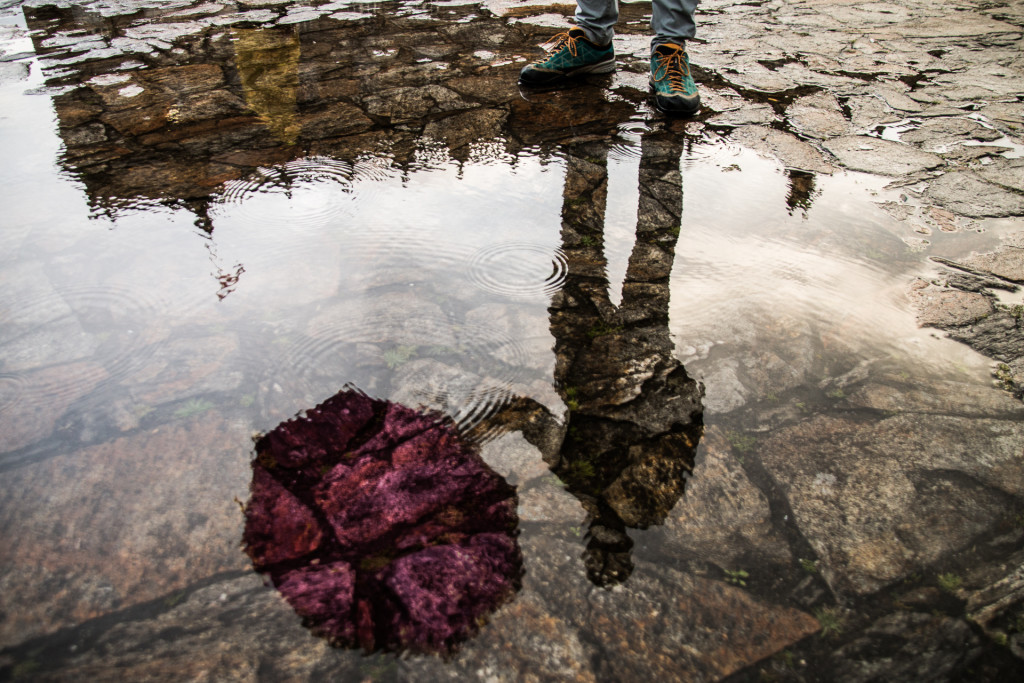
{"type": "Point", "coordinates": [559, 41]}
{"type": "Point", "coordinates": [675, 67]}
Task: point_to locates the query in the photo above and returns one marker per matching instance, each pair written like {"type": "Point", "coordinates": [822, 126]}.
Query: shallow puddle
{"type": "Point", "coordinates": [216, 216]}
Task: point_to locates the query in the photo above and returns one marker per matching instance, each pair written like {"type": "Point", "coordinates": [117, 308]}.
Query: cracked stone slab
{"type": "Point", "coordinates": [787, 148]}
{"type": "Point", "coordinates": [120, 523]}
{"type": "Point", "coordinates": [818, 116]}
{"type": "Point", "coordinates": [941, 307]}
{"type": "Point", "coordinates": [997, 604]}
{"type": "Point", "coordinates": [883, 157]}
{"type": "Point", "coordinates": [879, 500]}
{"type": "Point", "coordinates": [723, 516]}
{"type": "Point", "coordinates": [967, 194]}
{"type": "Point", "coordinates": [1008, 173]}
{"type": "Point", "coordinates": [910, 646]}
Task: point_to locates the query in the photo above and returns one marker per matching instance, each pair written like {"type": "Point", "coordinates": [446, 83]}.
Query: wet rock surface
{"type": "Point", "coordinates": [840, 517]}
{"type": "Point", "coordinates": [962, 301]}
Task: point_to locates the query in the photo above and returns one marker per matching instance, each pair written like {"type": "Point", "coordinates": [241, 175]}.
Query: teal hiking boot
{"type": "Point", "coordinates": [675, 93]}
{"type": "Point", "coordinates": [570, 55]}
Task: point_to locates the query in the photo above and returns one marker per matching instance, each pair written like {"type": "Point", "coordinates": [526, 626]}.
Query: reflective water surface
{"type": "Point", "coordinates": [218, 215]}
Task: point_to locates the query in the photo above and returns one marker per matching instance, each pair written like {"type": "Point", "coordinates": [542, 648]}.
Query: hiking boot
{"type": "Point", "coordinates": [675, 92]}
{"type": "Point", "coordinates": [570, 55]}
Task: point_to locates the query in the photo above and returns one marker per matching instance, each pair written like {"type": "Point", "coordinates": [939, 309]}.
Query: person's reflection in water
{"type": "Point", "coordinates": [635, 416]}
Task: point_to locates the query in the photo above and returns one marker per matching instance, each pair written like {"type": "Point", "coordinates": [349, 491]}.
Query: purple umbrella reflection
{"type": "Point", "coordinates": [381, 527]}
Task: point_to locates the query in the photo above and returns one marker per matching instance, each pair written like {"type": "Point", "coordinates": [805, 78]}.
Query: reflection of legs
{"type": "Point", "coordinates": [577, 309]}
{"type": "Point", "coordinates": [652, 436]}
{"type": "Point", "coordinates": [582, 318]}
{"type": "Point", "coordinates": [634, 414]}
{"type": "Point", "coordinates": [669, 408]}
{"type": "Point", "coordinates": [645, 291]}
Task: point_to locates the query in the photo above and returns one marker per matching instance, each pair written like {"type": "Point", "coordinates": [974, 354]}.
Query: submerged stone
{"type": "Point", "coordinates": [381, 527]}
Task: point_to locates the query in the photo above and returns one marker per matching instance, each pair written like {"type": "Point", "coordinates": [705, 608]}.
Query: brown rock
{"type": "Point", "coordinates": [85, 136]}
{"type": "Point", "coordinates": [206, 105]}
{"type": "Point", "coordinates": [337, 119]}
{"type": "Point", "coordinates": [120, 523]}
{"type": "Point", "coordinates": [880, 499]}
{"type": "Point", "coordinates": [939, 307]}
{"type": "Point", "coordinates": [494, 86]}
{"type": "Point", "coordinates": [1006, 262]}
{"type": "Point", "coordinates": [235, 629]}
{"type": "Point", "coordinates": [528, 641]}
{"type": "Point", "coordinates": [328, 89]}
{"type": "Point", "coordinates": [184, 369]}
{"type": "Point", "coordinates": [787, 148]}
{"type": "Point", "coordinates": [723, 516]}
{"type": "Point", "coordinates": [906, 647]}
{"type": "Point", "coordinates": [884, 157]}
{"type": "Point", "coordinates": [26, 417]}
{"type": "Point", "coordinates": [72, 113]}
{"type": "Point", "coordinates": [724, 628]}
{"type": "Point", "coordinates": [401, 105]}
{"type": "Point", "coordinates": [818, 116]}
{"type": "Point", "coordinates": [1002, 596]}
{"type": "Point", "coordinates": [461, 129]}
{"type": "Point", "coordinates": [967, 194]}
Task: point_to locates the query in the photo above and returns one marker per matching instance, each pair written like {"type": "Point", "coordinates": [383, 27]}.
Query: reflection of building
{"type": "Point", "coordinates": [163, 109]}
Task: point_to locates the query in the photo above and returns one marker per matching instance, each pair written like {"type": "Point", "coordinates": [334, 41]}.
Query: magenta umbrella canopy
{"type": "Point", "coordinates": [381, 527]}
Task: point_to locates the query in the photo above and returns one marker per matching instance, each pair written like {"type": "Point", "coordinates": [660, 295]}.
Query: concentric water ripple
{"type": "Point", "coordinates": [278, 213]}
{"type": "Point", "coordinates": [92, 334]}
{"type": "Point", "coordinates": [236, 191]}
{"type": "Point", "coordinates": [467, 407]}
{"type": "Point", "coordinates": [377, 244]}
{"type": "Point", "coordinates": [467, 371]}
{"type": "Point", "coordinates": [277, 198]}
{"type": "Point", "coordinates": [626, 145]}
{"type": "Point", "coordinates": [709, 154]}
{"type": "Point", "coordinates": [12, 387]}
{"type": "Point", "coordinates": [311, 170]}
{"type": "Point", "coordinates": [519, 269]}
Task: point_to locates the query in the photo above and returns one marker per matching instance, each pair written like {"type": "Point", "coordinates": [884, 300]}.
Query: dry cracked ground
{"type": "Point", "coordinates": [844, 522]}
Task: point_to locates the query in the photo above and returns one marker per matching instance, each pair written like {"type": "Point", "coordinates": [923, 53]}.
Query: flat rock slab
{"type": "Point", "coordinates": [1006, 262]}
{"type": "Point", "coordinates": [787, 148]}
{"type": "Point", "coordinates": [998, 604]}
{"type": "Point", "coordinates": [723, 516]}
{"type": "Point", "coordinates": [884, 157]}
{"type": "Point", "coordinates": [941, 307]}
{"type": "Point", "coordinates": [118, 524]}
{"type": "Point", "coordinates": [235, 629]}
{"type": "Point", "coordinates": [967, 194]}
{"type": "Point", "coordinates": [818, 116]}
{"type": "Point", "coordinates": [906, 647]}
{"type": "Point", "coordinates": [1002, 171]}
{"type": "Point", "coordinates": [878, 500]}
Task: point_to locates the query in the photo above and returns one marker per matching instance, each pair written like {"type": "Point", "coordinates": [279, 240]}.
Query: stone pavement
{"type": "Point", "coordinates": [872, 533]}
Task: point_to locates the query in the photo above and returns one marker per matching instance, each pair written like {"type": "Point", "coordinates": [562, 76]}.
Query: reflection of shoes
{"type": "Point", "coordinates": [674, 89]}
{"type": "Point", "coordinates": [569, 55]}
